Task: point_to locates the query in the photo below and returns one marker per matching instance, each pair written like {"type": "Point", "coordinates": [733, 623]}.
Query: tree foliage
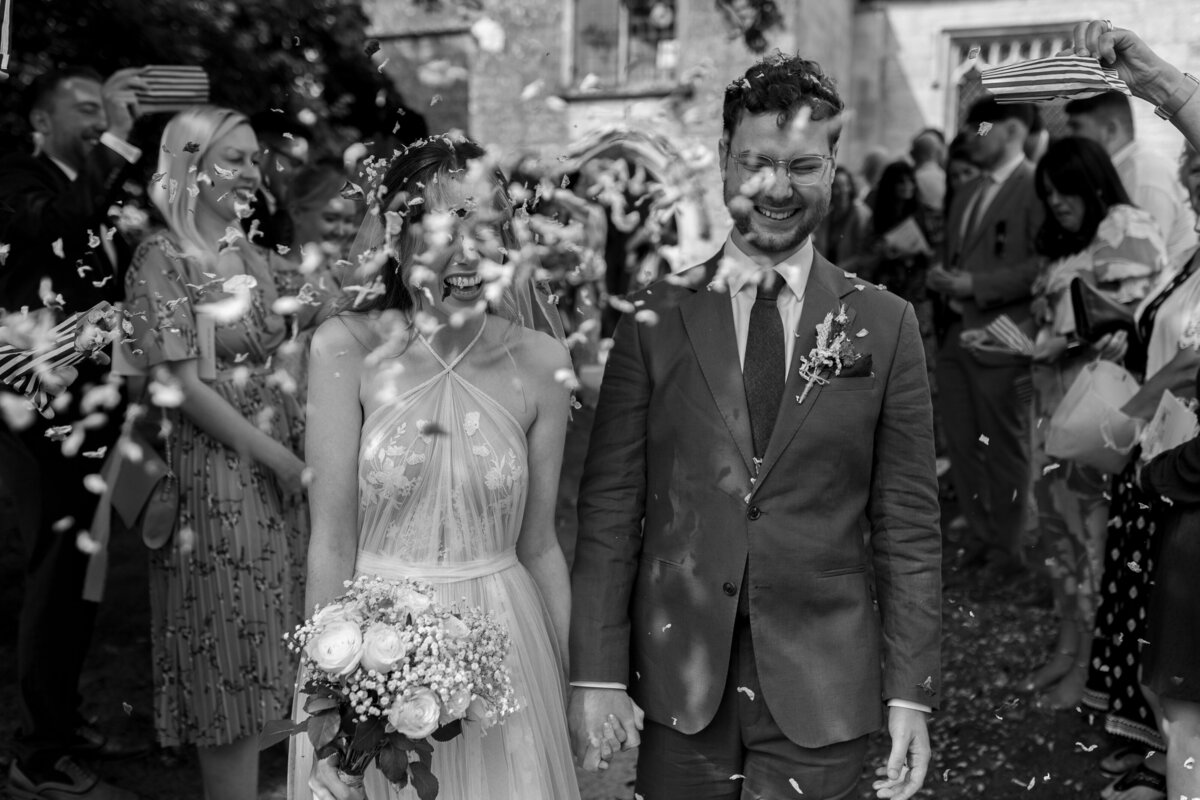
{"type": "Point", "coordinates": [259, 54]}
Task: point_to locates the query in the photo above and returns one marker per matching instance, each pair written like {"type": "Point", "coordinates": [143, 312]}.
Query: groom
{"type": "Point", "coordinates": [745, 504]}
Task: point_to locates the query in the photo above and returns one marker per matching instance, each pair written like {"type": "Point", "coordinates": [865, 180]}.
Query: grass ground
{"type": "Point", "coordinates": [989, 741]}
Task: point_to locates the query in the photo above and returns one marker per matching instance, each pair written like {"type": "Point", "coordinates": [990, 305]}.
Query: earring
{"type": "Point", "coordinates": [39, 141]}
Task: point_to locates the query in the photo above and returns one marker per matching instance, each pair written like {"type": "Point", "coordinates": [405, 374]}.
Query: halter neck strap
{"type": "Point", "coordinates": [449, 367]}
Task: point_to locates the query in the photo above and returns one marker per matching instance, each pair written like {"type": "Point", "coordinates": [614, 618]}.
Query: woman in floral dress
{"type": "Point", "coordinates": [221, 591]}
{"type": "Point", "coordinates": [1091, 232]}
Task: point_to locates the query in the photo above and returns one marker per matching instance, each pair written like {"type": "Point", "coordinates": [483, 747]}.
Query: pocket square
{"type": "Point", "coordinates": [861, 368]}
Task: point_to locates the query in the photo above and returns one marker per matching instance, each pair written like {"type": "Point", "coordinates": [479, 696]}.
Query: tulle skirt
{"type": "Point", "coordinates": [526, 757]}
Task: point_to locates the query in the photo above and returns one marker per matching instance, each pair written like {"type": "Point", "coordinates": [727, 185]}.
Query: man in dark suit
{"type": "Point", "coordinates": [63, 255]}
{"type": "Point", "coordinates": [761, 469]}
{"type": "Point", "coordinates": [991, 262]}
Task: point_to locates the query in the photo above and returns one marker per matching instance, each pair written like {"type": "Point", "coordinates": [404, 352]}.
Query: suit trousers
{"type": "Point", "coordinates": [742, 754]}
{"type": "Point", "coordinates": [986, 413]}
{"type": "Point", "coordinates": [56, 623]}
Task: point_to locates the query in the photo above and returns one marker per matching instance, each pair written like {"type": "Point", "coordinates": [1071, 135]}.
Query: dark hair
{"type": "Point", "coordinates": [783, 84]}
{"type": "Point", "coordinates": [991, 110]}
{"type": "Point", "coordinates": [41, 91]}
{"type": "Point", "coordinates": [1110, 105]}
{"type": "Point", "coordinates": [889, 210]}
{"type": "Point", "coordinates": [411, 175]}
{"type": "Point", "coordinates": [1081, 168]}
{"type": "Point", "coordinates": [270, 127]}
{"type": "Point", "coordinates": [840, 170]}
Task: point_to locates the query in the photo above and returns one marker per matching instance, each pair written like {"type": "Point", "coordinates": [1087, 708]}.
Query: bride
{"type": "Point", "coordinates": [435, 435]}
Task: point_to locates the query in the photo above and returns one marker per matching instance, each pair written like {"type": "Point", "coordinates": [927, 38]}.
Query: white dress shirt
{"type": "Point", "coordinates": [742, 276]}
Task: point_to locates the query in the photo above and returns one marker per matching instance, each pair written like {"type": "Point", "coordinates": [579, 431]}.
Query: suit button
{"type": "Point", "coordinates": [753, 513]}
{"type": "Point", "coordinates": [729, 588]}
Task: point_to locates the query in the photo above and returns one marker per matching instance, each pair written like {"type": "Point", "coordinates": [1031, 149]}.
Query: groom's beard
{"type": "Point", "coordinates": [806, 221]}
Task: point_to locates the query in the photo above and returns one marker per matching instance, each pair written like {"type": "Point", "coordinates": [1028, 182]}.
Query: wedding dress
{"type": "Point", "coordinates": [442, 480]}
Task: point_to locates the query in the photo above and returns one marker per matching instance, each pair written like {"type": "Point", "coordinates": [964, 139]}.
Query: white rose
{"type": "Point", "coordinates": [336, 612]}
{"type": "Point", "coordinates": [383, 648]}
{"type": "Point", "coordinates": [338, 648]}
{"type": "Point", "coordinates": [416, 714]}
{"type": "Point", "coordinates": [455, 628]}
{"type": "Point", "coordinates": [481, 711]}
{"type": "Point", "coordinates": [414, 601]}
{"type": "Point", "coordinates": [456, 707]}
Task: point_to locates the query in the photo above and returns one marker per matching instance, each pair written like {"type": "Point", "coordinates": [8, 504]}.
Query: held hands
{"type": "Point", "coordinates": [327, 784]}
{"type": "Point", "coordinates": [120, 100]}
{"type": "Point", "coordinates": [908, 762]}
{"type": "Point", "coordinates": [602, 722]}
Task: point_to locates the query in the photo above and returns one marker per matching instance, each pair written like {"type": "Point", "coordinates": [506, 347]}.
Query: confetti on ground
{"type": "Point", "coordinates": [128, 709]}
{"type": "Point", "coordinates": [795, 785]}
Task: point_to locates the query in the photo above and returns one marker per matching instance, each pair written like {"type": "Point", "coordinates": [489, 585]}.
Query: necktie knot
{"type": "Point", "coordinates": [769, 288]}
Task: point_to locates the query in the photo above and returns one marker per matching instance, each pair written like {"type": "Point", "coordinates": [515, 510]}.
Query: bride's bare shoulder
{"type": "Point", "coordinates": [348, 334]}
{"type": "Point", "coordinates": [540, 355]}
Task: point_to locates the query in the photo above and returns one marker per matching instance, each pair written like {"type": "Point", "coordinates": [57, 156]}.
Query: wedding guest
{"type": "Point", "coordinates": [844, 236]}
{"type": "Point", "coordinates": [323, 224]}
{"type": "Point", "coordinates": [220, 591]}
{"type": "Point", "coordinates": [928, 153]}
{"type": "Point", "coordinates": [988, 270]}
{"type": "Point", "coordinates": [286, 145]}
{"type": "Point", "coordinates": [869, 171]}
{"type": "Point", "coordinates": [1175, 94]}
{"type": "Point", "coordinates": [961, 168]}
{"type": "Point", "coordinates": [1090, 232]}
{"type": "Point", "coordinates": [62, 255]}
{"type": "Point", "coordinates": [901, 269]}
{"type": "Point", "coordinates": [1171, 657]}
{"type": "Point", "coordinates": [1148, 175]}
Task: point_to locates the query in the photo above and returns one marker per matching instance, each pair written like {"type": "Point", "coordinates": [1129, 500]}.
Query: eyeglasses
{"type": "Point", "coordinates": [802, 171]}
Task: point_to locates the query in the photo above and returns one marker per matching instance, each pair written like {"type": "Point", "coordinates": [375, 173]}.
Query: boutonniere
{"type": "Point", "coordinates": [833, 353]}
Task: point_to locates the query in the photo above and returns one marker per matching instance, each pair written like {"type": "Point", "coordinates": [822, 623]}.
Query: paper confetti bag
{"type": "Point", "coordinates": [1088, 427]}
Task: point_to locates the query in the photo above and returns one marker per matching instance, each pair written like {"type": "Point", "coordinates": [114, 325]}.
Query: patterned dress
{"type": "Point", "coordinates": [1134, 534]}
{"type": "Point", "coordinates": [223, 591]}
{"type": "Point", "coordinates": [443, 475]}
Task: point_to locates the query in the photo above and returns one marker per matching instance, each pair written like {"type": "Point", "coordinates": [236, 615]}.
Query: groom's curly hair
{"type": "Point", "coordinates": [783, 84]}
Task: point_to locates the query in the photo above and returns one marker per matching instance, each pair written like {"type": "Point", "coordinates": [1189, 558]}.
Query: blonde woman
{"type": "Point", "coordinates": [221, 591]}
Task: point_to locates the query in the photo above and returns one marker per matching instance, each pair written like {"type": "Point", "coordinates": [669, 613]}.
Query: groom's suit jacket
{"type": "Point", "coordinates": [672, 517]}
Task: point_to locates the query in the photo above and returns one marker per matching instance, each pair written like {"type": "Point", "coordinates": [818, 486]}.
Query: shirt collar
{"type": "Point", "coordinates": [70, 173]}
{"type": "Point", "coordinates": [1002, 173]}
{"type": "Point", "coordinates": [794, 269]}
{"type": "Point", "coordinates": [1124, 154]}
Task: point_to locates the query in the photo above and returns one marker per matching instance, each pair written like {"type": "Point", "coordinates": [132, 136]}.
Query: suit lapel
{"type": "Point", "coordinates": [823, 294]}
{"type": "Point", "coordinates": [994, 211]}
{"type": "Point", "coordinates": [708, 319]}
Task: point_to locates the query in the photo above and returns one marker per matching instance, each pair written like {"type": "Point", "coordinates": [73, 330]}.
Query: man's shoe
{"type": "Point", "coordinates": [67, 781]}
{"type": "Point", "coordinates": [89, 742]}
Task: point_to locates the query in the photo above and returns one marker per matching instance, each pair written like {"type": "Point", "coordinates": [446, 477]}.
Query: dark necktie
{"type": "Point", "coordinates": [763, 371]}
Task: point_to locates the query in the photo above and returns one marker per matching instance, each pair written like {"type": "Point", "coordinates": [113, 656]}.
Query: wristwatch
{"type": "Point", "coordinates": [1177, 100]}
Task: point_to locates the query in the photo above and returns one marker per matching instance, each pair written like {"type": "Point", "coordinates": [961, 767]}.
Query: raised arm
{"type": "Point", "coordinates": [1148, 75]}
{"type": "Point", "coordinates": [335, 419]}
